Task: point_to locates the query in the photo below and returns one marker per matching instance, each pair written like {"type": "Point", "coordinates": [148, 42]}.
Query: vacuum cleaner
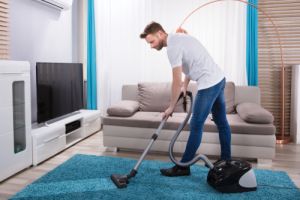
{"type": "Point", "coordinates": [226, 176]}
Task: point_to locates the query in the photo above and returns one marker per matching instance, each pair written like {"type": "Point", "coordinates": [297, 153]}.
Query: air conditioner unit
{"type": "Point", "coordinates": [59, 4]}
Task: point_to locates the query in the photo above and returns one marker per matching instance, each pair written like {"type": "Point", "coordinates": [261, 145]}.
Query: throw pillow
{"type": "Point", "coordinates": [124, 108]}
{"type": "Point", "coordinates": [254, 113]}
{"type": "Point", "coordinates": [156, 97]}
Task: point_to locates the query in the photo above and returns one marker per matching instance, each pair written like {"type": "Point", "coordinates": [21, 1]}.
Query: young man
{"type": "Point", "coordinates": [186, 54]}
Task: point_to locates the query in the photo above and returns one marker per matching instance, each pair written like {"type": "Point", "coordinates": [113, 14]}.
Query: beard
{"type": "Point", "coordinates": [160, 45]}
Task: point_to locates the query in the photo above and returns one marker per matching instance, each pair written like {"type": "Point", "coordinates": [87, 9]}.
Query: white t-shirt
{"type": "Point", "coordinates": [186, 51]}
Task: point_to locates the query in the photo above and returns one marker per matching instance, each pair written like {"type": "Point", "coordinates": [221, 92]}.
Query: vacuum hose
{"type": "Point", "coordinates": [180, 128]}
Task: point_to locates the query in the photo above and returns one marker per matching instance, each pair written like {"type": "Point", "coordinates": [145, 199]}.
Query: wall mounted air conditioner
{"type": "Point", "coordinates": [59, 4]}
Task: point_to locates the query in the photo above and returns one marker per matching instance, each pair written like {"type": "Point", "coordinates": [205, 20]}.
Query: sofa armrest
{"type": "Point", "coordinates": [254, 113]}
{"type": "Point", "coordinates": [124, 108]}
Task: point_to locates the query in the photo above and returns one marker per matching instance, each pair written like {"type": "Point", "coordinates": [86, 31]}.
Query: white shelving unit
{"type": "Point", "coordinates": [49, 140]}
{"type": "Point", "coordinates": [15, 118]}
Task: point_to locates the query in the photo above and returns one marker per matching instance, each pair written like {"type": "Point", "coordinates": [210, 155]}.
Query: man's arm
{"type": "Point", "coordinates": [176, 85]}
{"type": "Point", "coordinates": [176, 89]}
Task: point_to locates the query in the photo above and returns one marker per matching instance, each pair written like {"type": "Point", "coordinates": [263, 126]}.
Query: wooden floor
{"type": "Point", "coordinates": [287, 159]}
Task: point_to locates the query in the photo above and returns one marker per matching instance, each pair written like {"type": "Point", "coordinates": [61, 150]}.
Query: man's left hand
{"type": "Point", "coordinates": [181, 30]}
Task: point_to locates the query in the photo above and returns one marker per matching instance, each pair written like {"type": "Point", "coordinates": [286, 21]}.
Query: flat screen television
{"type": "Point", "coordinates": [59, 89]}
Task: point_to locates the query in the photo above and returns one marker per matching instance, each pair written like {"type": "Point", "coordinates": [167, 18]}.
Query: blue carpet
{"type": "Point", "coordinates": [88, 177]}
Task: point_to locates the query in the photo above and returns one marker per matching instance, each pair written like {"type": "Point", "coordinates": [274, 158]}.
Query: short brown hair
{"type": "Point", "coordinates": [151, 28]}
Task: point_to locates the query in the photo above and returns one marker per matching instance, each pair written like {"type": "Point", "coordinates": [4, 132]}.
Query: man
{"type": "Point", "coordinates": [186, 54]}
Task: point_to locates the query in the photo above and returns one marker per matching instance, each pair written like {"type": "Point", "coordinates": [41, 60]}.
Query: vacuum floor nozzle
{"type": "Point", "coordinates": [120, 181]}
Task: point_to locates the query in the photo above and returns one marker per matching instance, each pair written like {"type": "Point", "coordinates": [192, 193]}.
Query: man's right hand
{"type": "Point", "coordinates": [183, 89]}
{"type": "Point", "coordinates": [168, 113]}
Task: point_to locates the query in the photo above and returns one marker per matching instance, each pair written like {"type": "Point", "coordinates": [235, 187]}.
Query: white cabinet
{"type": "Point", "coordinates": [50, 139]}
{"type": "Point", "coordinates": [295, 104]}
{"type": "Point", "coordinates": [15, 117]}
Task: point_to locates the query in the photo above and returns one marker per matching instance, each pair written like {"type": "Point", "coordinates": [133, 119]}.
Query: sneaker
{"type": "Point", "coordinates": [176, 171]}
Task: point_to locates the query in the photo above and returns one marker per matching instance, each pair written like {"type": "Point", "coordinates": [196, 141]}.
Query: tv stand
{"type": "Point", "coordinates": [73, 132]}
{"type": "Point", "coordinates": [57, 136]}
{"type": "Point", "coordinates": [47, 123]}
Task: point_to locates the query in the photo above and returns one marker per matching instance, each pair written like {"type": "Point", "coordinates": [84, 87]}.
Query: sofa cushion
{"type": "Point", "coordinates": [156, 97]}
{"type": "Point", "coordinates": [229, 93]}
{"type": "Point", "coordinates": [238, 125]}
{"type": "Point", "coordinates": [137, 133]}
{"type": "Point", "coordinates": [254, 113]}
{"type": "Point", "coordinates": [124, 108]}
{"type": "Point", "coordinates": [153, 119]}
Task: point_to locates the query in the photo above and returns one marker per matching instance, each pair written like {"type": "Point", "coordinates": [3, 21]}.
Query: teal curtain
{"type": "Point", "coordinates": [252, 46]}
{"type": "Point", "coordinates": [91, 59]}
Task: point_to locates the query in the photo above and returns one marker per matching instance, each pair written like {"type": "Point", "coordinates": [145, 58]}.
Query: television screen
{"type": "Point", "coordinates": [59, 89]}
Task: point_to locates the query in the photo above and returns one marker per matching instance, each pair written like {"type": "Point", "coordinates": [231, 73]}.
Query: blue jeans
{"type": "Point", "coordinates": [206, 101]}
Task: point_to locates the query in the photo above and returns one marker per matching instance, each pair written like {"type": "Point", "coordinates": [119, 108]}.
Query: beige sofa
{"type": "Point", "coordinates": [131, 122]}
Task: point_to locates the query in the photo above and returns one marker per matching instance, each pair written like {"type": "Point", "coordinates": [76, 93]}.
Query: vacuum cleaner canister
{"type": "Point", "coordinates": [232, 176]}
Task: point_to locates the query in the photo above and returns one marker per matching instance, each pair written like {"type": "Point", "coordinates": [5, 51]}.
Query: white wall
{"type": "Point", "coordinates": [39, 33]}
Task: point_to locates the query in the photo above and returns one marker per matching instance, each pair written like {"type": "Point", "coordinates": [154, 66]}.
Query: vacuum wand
{"type": "Point", "coordinates": [121, 181]}
{"type": "Point", "coordinates": [154, 137]}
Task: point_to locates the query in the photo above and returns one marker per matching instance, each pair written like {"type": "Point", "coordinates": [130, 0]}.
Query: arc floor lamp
{"type": "Point", "coordinates": [282, 138]}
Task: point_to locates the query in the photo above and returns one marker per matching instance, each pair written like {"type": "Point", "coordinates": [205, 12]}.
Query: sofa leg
{"type": "Point", "coordinates": [112, 149]}
{"type": "Point", "coordinates": [264, 163]}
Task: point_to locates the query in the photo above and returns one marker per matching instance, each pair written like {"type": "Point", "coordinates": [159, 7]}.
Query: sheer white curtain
{"type": "Point", "coordinates": [123, 58]}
